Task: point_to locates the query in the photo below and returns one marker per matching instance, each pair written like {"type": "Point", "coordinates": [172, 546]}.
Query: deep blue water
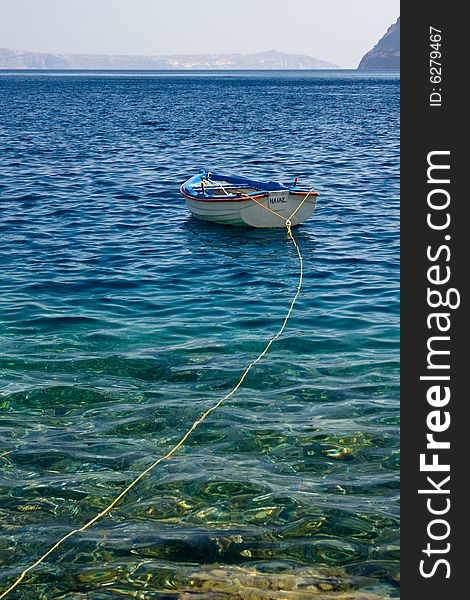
{"type": "Point", "coordinates": [122, 319]}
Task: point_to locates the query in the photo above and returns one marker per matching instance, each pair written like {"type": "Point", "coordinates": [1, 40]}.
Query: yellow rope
{"type": "Point", "coordinates": [267, 208]}
{"type": "Point", "coordinates": [308, 194]}
{"type": "Point", "coordinates": [287, 221]}
{"type": "Point", "coordinates": [196, 423]}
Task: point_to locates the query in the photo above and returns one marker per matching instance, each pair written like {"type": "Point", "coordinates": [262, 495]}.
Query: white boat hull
{"type": "Point", "coordinates": [249, 213]}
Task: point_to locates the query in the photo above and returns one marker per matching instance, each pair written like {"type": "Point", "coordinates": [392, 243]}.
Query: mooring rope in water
{"type": "Point", "coordinates": [196, 423]}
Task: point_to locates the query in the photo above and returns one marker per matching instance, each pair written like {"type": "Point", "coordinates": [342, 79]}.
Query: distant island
{"type": "Point", "coordinates": [386, 53]}
{"type": "Point", "coordinates": [22, 59]}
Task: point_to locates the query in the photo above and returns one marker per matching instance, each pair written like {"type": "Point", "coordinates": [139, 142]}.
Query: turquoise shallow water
{"type": "Point", "coordinates": [122, 319]}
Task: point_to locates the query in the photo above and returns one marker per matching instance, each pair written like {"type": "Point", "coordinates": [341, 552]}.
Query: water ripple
{"type": "Point", "coordinates": [123, 319]}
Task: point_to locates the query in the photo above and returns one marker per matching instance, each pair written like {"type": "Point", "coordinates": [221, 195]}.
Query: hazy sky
{"type": "Point", "coordinates": [339, 31]}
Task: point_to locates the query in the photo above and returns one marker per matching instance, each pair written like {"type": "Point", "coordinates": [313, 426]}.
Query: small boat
{"type": "Point", "coordinates": [240, 201]}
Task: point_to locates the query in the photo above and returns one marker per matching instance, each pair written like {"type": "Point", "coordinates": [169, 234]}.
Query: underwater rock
{"type": "Point", "coordinates": [244, 583]}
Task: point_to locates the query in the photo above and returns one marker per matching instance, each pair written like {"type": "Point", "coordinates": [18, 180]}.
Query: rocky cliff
{"type": "Point", "coordinates": [386, 53]}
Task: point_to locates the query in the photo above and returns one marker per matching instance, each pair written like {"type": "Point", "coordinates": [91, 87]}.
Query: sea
{"type": "Point", "coordinates": [123, 318]}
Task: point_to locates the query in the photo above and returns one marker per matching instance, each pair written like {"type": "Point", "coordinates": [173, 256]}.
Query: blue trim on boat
{"type": "Point", "coordinates": [261, 187]}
